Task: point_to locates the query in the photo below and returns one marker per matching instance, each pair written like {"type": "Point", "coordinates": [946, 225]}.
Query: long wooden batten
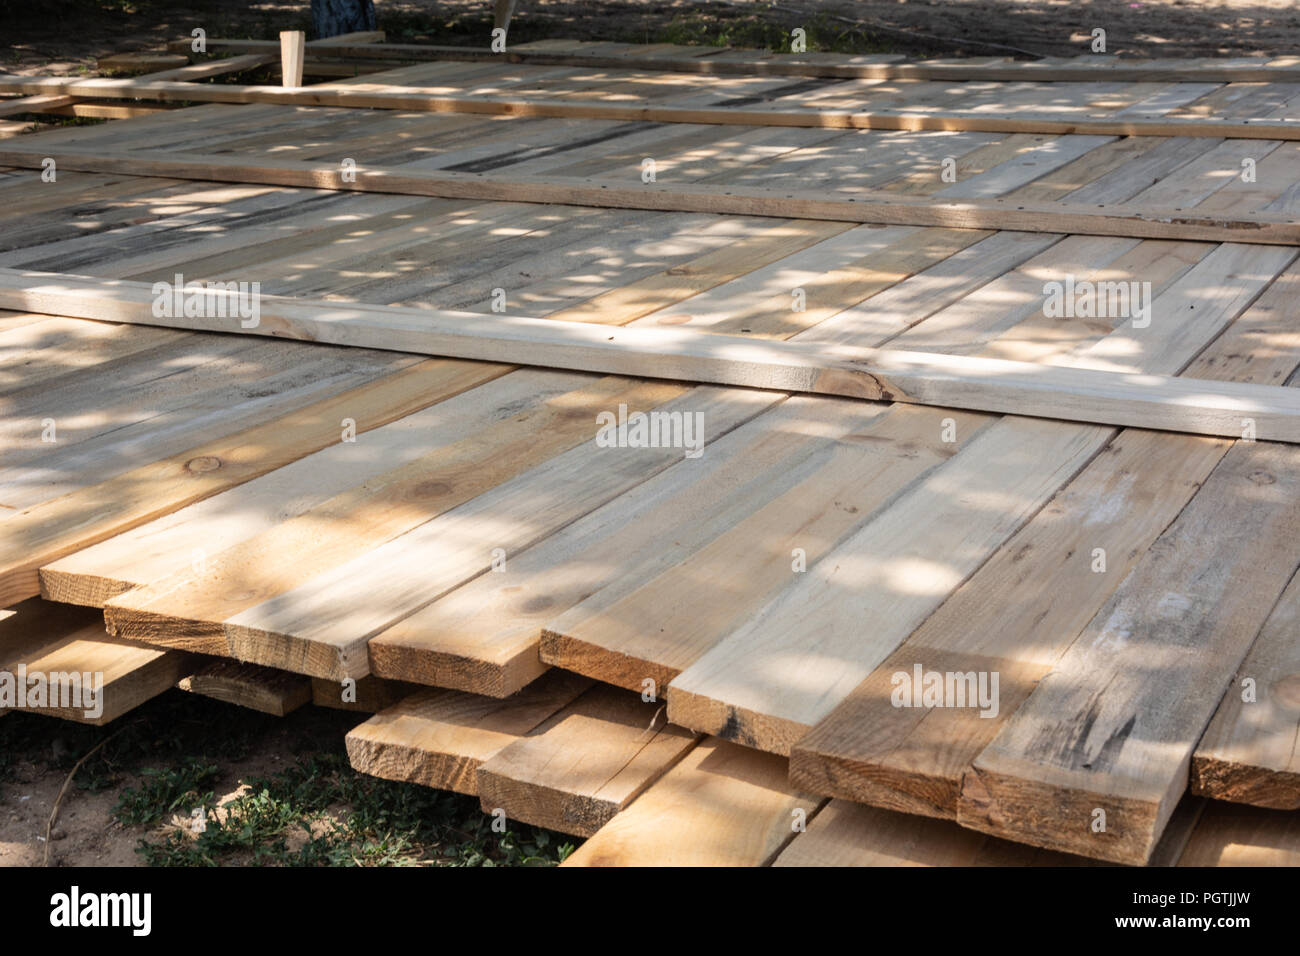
{"type": "Point", "coordinates": [413, 99]}
{"type": "Point", "coordinates": [922, 378]}
{"type": "Point", "coordinates": [873, 206]}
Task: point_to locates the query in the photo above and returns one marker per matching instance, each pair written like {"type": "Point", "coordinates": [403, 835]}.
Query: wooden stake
{"type": "Point", "coordinates": [293, 47]}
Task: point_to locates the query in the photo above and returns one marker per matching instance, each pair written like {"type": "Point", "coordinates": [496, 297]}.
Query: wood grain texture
{"type": "Point", "coordinates": [378, 96]}
{"type": "Point", "coordinates": [246, 685]}
{"type": "Point", "coordinates": [1114, 724]}
{"type": "Point", "coordinates": [893, 571]}
{"type": "Point", "coordinates": [1237, 835]}
{"type": "Point", "coordinates": [287, 627]}
{"type": "Point", "coordinates": [439, 738]}
{"type": "Point", "coordinates": [192, 605]}
{"type": "Point", "coordinates": [1249, 752]}
{"type": "Point", "coordinates": [811, 507]}
{"type": "Point", "coordinates": [850, 834]}
{"type": "Point", "coordinates": [1023, 608]}
{"type": "Point", "coordinates": [585, 764]}
{"type": "Point", "coordinates": [369, 695]}
{"type": "Point", "coordinates": [43, 533]}
{"type": "Point", "coordinates": [293, 49]}
{"type": "Point", "coordinates": [872, 206]}
{"type": "Point", "coordinates": [1011, 618]}
{"type": "Point", "coordinates": [165, 547]}
{"type": "Point", "coordinates": [888, 571]}
{"type": "Point", "coordinates": [927, 378]}
{"type": "Point", "coordinates": [722, 805]}
{"type": "Point", "coordinates": [73, 670]}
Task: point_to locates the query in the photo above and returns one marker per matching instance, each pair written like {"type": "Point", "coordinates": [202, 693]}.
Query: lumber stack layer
{"type": "Point", "coordinates": [820, 460]}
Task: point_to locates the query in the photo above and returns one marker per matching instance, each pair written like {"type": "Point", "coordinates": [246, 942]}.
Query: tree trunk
{"type": "Point", "coordinates": [504, 10]}
{"type": "Point", "coordinates": [331, 18]}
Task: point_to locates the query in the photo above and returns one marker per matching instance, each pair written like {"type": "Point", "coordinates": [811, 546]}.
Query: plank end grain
{"type": "Point", "coordinates": [1050, 808]}
{"type": "Point", "coordinates": [1238, 783]}
{"type": "Point", "coordinates": [562, 647]}
{"type": "Point", "coordinates": [770, 733]}
{"type": "Point", "coordinates": [165, 630]}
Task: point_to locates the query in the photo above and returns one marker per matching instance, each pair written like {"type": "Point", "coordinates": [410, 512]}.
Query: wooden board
{"type": "Point", "coordinates": [761, 62]}
{"type": "Point", "coordinates": [439, 738]}
{"type": "Point", "coordinates": [1236, 835]}
{"type": "Point", "coordinates": [35, 104]}
{"type": "Point", "coordinates": [377, 96]}
{"type": "Point", "coordinates": [1012, 617]}
{"type": "Point", "coordinates": [964, 382]}
{"type": "Point", "coordinates": [1112, 727]}
{"type": "Point", "coordinates": [722, 805]}
{"type": "Point", "coordinates": [46, 532]}
{"type": "Point", "coordinates": [815, 624]}
{"type": "Point", "coordinates": [585, 764]}
{"type": "Point", "coordinates": [716, 270]}
{"type": "Point", "coordinates": [293, 50]}
{"type": "Point", "coordinates": [368, 512]}
{"type": "Point", "coordinates": [1248, 753]}
{"type": "Point", "coordinates": [72, 670]}
{"type": "Point", "coordinates": [879, 206]}
{"type": "Point", "coordinates": [290, 629]}
{"type": "Point", "coordinates": [369, 695]}
{"type": "Point", "coordinates": [484, 636]}
{"type": "Point", "coordinates": [165, 547]}
{"type": "Point", "coordinates": [247, 685]}
{"type": "Point", "coordinates": [850, 834]}
{"type": "Point", "coordinates": [146, 62]}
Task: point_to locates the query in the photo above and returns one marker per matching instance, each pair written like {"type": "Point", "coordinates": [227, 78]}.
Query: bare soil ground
{"type": "Point", "coordinates": [270, 791]}
{"type": "Point", "coordinates": [41, 751]}
{"type": "Point", "coordinates": [67, 35]}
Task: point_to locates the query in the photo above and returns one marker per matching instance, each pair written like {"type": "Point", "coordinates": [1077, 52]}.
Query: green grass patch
{"type": "Point", "coordinates": [320, 812]}
{"type": "Point", "coordinates": [176, 753]}
{"type": "Point", "coordinates": [166, 790]}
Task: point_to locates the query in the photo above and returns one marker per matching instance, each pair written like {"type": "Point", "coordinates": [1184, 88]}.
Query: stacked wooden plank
{"type": "Point", "coordinates": [758, 593]}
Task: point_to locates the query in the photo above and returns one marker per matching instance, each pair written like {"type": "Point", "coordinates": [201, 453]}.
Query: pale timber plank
{"type": "Point", "coordinates": [1248, 754]}
{"type": "Point", "coordinates": [722, 805]}
{"type": "Point", "coordinates": [1114, 724]}
{"type": "Point", "coordinates": [1236, 835]}
{"type": "Point", "coordinates": [889, 563]}
{"type": "Point", "coordinates": [246, 685]}
{"type": "Point", "coordinates": [1013, 617]}
{"type": "Point", "coordinates": [72, 670]}
{"type": "Point", "coordinates": [850, 834]}
{"type": "Point", "coordinates": [985, 385]}
{"type": "Point", "coordinates": [439, 738]}
{"type": "Point", "coordinates": [41, 534]}
{"type": "Point", "coordinates": [878, 206]}
{"type": "Point", "coordinates": [585, 764]}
